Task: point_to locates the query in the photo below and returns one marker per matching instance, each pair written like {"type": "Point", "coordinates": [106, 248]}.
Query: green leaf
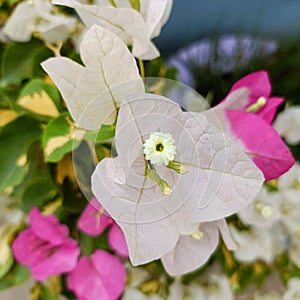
{"type": "Point", "coordinates": [7, 97]}
{"type": "Point", "coordinates": [89, 244]}
{"type": "Point", "coordinates": [46, 294]}
{"type": "Point", "coordinates": [84, 166]}
{"type": "Point", "coordinates": [36, 86]}
{"type": "Point", "coordinates": [16, 276]}
{"type": "Point", "coordinates": [22, 61]}
{"type": "Point", "coordinates": [38, 187]}
{"type": "Point", "coordinates": [58, 139]}
{"type": "Point", "coordinates": [86, 243]}
{"type": "Point", "coordinates": [15, 139]}
{"type": "Point", "coordinates": [106, 132]}
{"type": "Point", "coordinates": [135, 4]}
{"type": "Point", "coordinates": [73, 201]}
{"type": "Point", "coordinates": [157, 68]}
{"type": "Point", "coordinates": [112, 2]}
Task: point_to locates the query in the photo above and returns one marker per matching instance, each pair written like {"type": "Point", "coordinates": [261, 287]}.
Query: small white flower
{"type": "Point", "coordinates": [160, 148]}
{"type": "Point", "coordinates": [264, 211]}
{"type": "Point", "coordinates": [271, 295]}
{"type": "Point", "coordinates": [293, 292]}
{"type": "Point", "coordinates": [38, 16]}
{"type": "Point", "coordinates": [218, 288]}
{"type": "Point", "coordinates": [191, 291]}
{"type": "Point", "coordinates": [287, 124]}
{"type": "Point", "coordinates": [257, 243]}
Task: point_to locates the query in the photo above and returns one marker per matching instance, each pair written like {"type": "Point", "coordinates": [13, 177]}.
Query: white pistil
{"type": "Point", "coordinates": [261, 102]}
{"type": "Point", "coordinates": [160, 148]}
{"type": "Point", "coordinates": [165, 188]}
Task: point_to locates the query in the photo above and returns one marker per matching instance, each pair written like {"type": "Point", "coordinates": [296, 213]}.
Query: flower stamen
{"type": "Point", "coordinates": [177, 167]}
{"type": "Point", "coordinates": [197, 235]}
{"type": "Point", "coordinates": [261, 102]}
{"type": "Point", "coordinates": [165, 188]}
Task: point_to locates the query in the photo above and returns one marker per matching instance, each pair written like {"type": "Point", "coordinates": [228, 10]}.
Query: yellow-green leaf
{"type": "Point", "coordinates": [7, 116]}
{"type": "Point", "coordinates": [39, 103]}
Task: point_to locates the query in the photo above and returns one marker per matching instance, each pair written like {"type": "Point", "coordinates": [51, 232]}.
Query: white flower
{"type": "Point", "coordinates": [215, 286]}
{"type": "Point", "coordinates": [37, 16]}
{"type": "Point", "coordinates": [287, 124]}
{"type": "Point", "coordinates": [294, 252]}
{"type": "Point", "coordinates": [293, 291]}
{"type": "Point", "coordinates": [218, 288]}
{"type": "Point", "coordinates": [272, 295]}
{"type": "Point", "coordinates": [264, 211]}
{"type": "Point", "coordinates": [289, 185]}
{"type": "Point", "coordinates": [257, 243]}
{"type": "Point", "coordinates": [159, 148]}
{"type": "Point", "coordinates": [136, 277]}
{"type": "Point", "coordinates": [221, 180]}
{"type": "Point", "coordinates": [136, 26]}
{"type": "Point", "coordinates": [289, 189]}
{"type": "Point", "coordinates": [192, 291]}
{"type": "Point", "coordinates": [280, 208]}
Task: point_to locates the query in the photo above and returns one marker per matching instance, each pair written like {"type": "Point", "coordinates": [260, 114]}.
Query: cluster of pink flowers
{"type": "Point", "coordinates": [46, 248]}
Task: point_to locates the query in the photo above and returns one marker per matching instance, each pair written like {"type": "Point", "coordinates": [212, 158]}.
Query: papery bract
{"type": "Point", "coordinates": [45, 247]}
{"type": "Point", "coordinates": [133, 27]}
{"type": "Point", "coordinates": [257, 85]}
{"type": "Point", "coordinates": [258, 243]}
{"type": "Point", "coordinates": [264, 211]}
{"type": "Point", "coordinates": [117, 240]}
{"type": "Point", "coordinates": [191, 252]}
{"type": "Point", "coordinates": [240, 115]}
{"type": "Point", "coordinates": [37, 16]}
{"type": "Point", "coordinates": [220, 180]}
{"type": "Point", "coordinates": [293, 289]}
{"type": "Point", "coordinates": [262, 143]}
{"type": "Point", "coordinates": [288, 189]}
{"type": "Point", "coordinates": [93, 92]}
{"type": "Point", "coordinates": [93, 222]}
{"type": "Point", "coordinates": [100, 276]}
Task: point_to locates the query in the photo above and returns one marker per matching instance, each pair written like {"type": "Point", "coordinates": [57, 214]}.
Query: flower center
{"type": "Point", "coordinates": [159, 147]}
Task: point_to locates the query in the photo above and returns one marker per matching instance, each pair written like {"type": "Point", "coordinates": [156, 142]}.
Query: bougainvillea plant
{"type": "Point", "coordinates": [110, 189]}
